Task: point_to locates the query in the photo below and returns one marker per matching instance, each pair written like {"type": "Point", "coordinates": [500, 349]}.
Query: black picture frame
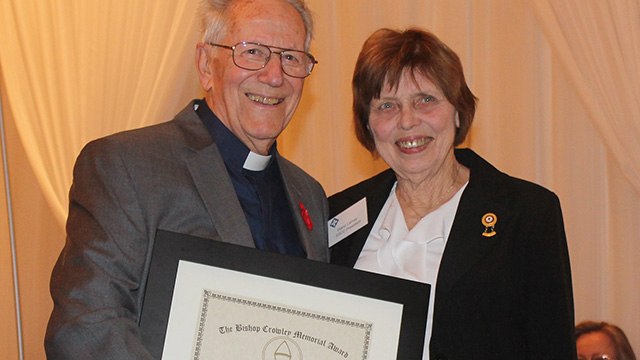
{"type": "Point", "coordinates": [171, 247]}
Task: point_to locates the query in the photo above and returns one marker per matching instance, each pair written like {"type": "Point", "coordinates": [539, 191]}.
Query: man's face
{"type": "Point", "coordinates": [256, 105]}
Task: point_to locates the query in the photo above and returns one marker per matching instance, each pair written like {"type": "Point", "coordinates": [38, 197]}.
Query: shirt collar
{"type": "Point", "coordinates": [233, 151]}
{"type": "Point", "coordinates": [435, 225]}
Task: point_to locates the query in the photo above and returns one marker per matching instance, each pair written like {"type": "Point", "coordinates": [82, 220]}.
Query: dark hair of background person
{"type": "Point", "coordinates": [384, 58]}
{"type": "Point", "coordinates": [617, 336]}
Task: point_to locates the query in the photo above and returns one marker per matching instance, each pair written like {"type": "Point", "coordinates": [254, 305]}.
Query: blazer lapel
{"type": "Point", "coordinates": [466, 245]}
{"type": "Point", "coordinates": [376, 190]}
{"type": "Point", "coordinates": [313, 240]}
{"type": "Point", "coordinates": [210, 177]}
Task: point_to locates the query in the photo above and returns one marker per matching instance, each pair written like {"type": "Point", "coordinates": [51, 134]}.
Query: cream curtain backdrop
{"type": "Point", "coordinates": [598, 42]}
{"type": "Point", "coordinates": [598, 45]}
{"type": "Point", "coordinates": [76, 70]}
{"type": "Point", "coordinates": [550, 111]}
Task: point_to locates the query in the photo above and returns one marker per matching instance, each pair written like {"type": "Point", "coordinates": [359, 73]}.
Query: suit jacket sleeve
{"type": "Point", "coordinates": [96, 280]}
{"type": "Point", "coordinates": [548, 291]}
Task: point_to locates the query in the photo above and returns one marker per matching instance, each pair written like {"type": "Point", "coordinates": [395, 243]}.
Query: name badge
{"type": "Point", "coordinates": [348, 222]}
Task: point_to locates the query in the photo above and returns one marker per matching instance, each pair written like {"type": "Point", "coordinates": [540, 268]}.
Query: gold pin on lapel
{"type": "Point", "coordinates": [489, 221]}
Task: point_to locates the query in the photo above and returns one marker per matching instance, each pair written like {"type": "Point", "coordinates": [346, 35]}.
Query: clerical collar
{"type": "Point", "coordinates": [256, 162]}
{"type": "Point", "coordinates": [234, 152]}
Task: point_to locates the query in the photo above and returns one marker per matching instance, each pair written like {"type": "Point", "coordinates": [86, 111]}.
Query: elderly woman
{"type": "Point", "coordinates": [599, 340]}
{"type": "Point", "coordinates": [493, 247]}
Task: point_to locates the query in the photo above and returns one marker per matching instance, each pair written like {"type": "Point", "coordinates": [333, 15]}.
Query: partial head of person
{"type": "Point", "coordinates": [252, 62]}
{"type": "Point", "coordinates": [599, 340]}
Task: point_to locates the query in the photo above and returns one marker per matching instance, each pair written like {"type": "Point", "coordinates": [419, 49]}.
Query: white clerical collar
{"type": "Point", "coordinates": [256, 162]}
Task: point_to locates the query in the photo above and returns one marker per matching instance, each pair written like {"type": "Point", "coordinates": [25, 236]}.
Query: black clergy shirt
{"type": "Point", "coordinates": [261, 193]}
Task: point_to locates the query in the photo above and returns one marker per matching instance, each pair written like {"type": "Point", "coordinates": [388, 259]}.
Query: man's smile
{"type": "Point", "coordinates": [264, 100]}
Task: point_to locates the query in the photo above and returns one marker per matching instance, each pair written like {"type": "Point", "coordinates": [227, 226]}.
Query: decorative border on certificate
{"type": "Point", "coordinates": [256, 301]}
{"type": "Point", "coordinates": [224, 318]}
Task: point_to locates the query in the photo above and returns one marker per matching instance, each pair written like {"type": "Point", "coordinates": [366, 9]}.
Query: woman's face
{"type": "Point", "coordinates": [594, 345]}
{"type": "Point", "coordinates": [414, 127]}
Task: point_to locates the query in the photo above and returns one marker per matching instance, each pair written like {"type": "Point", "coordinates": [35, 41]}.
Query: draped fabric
{"type": "Point", "coordinates": [598, 42]}
{"type": "Point", "coordinates": [598, 45]}
{"type": "Point", "coordinates": [76, 70]}
{"type": "Point", "coordinates": [558, 83]}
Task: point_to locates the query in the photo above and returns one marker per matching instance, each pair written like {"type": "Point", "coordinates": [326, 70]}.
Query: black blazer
{"type": "Point", "coordinates": [508, 296]}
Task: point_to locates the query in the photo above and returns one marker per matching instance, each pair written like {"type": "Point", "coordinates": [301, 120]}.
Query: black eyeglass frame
{"type": "Point", "coordinates": [268, 58]}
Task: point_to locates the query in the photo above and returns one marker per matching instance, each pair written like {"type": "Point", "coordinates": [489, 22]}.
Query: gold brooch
{"type": "Point", "coordinates": [489, 221]}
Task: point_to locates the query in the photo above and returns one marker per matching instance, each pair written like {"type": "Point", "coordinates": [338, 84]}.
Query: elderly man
{"type": "Point", "coordinates": [213, 171]}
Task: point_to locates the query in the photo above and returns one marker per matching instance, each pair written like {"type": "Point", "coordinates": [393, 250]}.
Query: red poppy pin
{"type": "Point", "coordinates": [305, 216]}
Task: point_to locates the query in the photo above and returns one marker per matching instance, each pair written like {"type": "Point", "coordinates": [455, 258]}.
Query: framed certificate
{"type": "Point", "coordinates": [207, 299]}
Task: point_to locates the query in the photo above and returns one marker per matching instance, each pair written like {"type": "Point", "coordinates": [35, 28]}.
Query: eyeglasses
{"type": "Point", "coordinates": [597, 357]}
{"type": "Point", "coordinates": [253, 56]}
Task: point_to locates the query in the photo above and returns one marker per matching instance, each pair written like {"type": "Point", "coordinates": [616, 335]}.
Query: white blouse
{"type": "Point", "coordinates": [391, 249]}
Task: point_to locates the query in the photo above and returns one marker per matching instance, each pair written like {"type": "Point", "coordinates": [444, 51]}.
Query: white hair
{"type": "Point", "coordinates": [214, 16]}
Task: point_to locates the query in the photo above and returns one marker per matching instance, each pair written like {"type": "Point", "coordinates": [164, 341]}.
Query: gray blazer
{"type": "Point", "coordinates": [126, 186]}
